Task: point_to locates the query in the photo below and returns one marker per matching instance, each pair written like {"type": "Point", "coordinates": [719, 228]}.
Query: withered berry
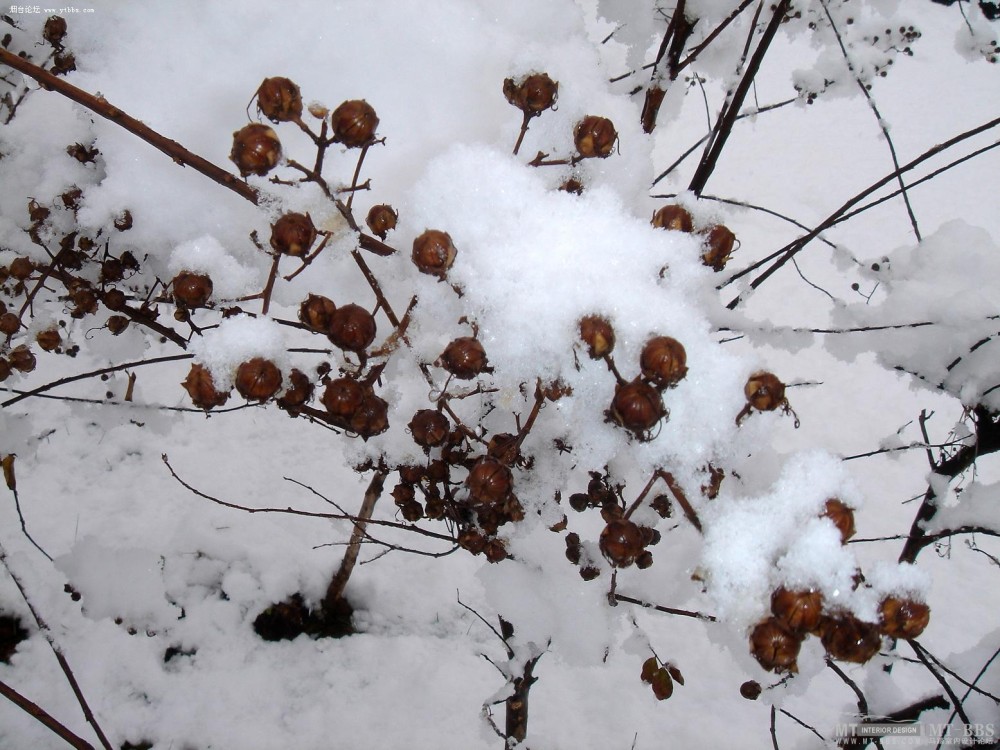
{"type": "Point", "coordinates": [279, 100]}
{"type": "Point", "coordinates": [595, 137]}
{"type": "Point", "coordinates": [841, 515]}
{"type": "Point", "coordinates": [9, 324]}
{"type": "Point", "coordinates": [22, 359]}
{"type": "Point", "coordinates": [21, 268]}
{"type": "Point", "coordinates": [429, 428]}
{"type": "Point", "coordinates": [371, 417]}
{"type": "Point", "coordinates": [299, 391]}
{"type": "Point", "coordinates": [464, 358]}
{"type": "Point", "coordinates": [798, 610]}
{"type": "Point", "coordinates": [117, 323]}
{"type": "Point", "coordinates": [750, 690]}
{"type": "Point", "coordinates": [54, 31]}
{"type": "Point", "coordinates": [847, 638]}
{"type": "Point", "coordinates": [256, 149]}
{"type": "Point", "coordinates": [903, 618]}
{"type": "Point", "coordinates": [573, 548]}
{"type": "Point", "coordinates": [316, 311]}
{"type": "Point", "coordinates": [664, 361]}
{"type": "Point", "coordinates": [352, 328]}
{"type": "Point", "coordinates": [258, 379]}
{"type": "Point", "coordinates": [381, 219]}
{"type": "Point", "coordinates": [765, 392]}
{"type": "Point", "coordinates": [621, 543]}
{"type": "Point", "coordinates": [598, 335]}
{"type": "Point", "coordinates": [84, 302]}
{"type": "Point", "coordinates": [354, 123]}
{"type": "Point", "coordinates": [644, 560]}
{"type": "Point", "coordinates": [775, 646]}
{"type": "Point", "coordinates": [434, 252]}
{"type": "Point", "coordinates": [112, 270]}
{"type": "Point", "coordinates": [124, 221]}
{"type": "Point", "coordinates": [503, 447]}
{"type": "Point", "coordinates": [293, 234]}
{"type": "Point", "coordinates": [489, 482]}
{"type": "Point", "coordinates": [532, 94]}
{"type": "Point", "coordinates": [673, 217]}
{"type": "Point", "coordinates": [589, 572]}
{"type": "Point", "coordinates": [201, 388]}
{"type": "Point", "coordinates": [114, 299]}
{"type": "Point", "coordinates": [192, 289]}
{"type": "Point", "coordinates": [637, 407]}
{"type": "Point", "coordinates": [495, 551]}
{"type": "Point", "coordinates": [342, 397]}
{"type": "Point", "coordinates": [49, 339]}
{"type": "Point", "coordinates": [471, 540]}
{"type": "Point", "coordinates": [719, 243]}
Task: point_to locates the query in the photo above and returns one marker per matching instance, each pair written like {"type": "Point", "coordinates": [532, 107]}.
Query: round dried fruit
{"type": "Point", "coordinates": [750, 690]}
{"type": "Point", "coordinates": [49, 340]}
{"type": "Point", "coordinates": [842, 517]}
{"type": "Point", "coordinates": [903, 618]}
{"type": "Point", "coordinates": [354, 123]}
{"type": "Point", "coordinates": [664, 361]}
{"type": "Point", "coordinates": [201, 388]}
{"type": "Point", "coordinates": [533, 94]}
{"type": "Point", "coordinates": [21, 268]}
{"type": "Point", "coordinates": [192, 289]}
{"type": "Point", "coordinates": [352, 328]}
{"type": "Point", "coordinates": [799, 610]}
{"type": "Point", "coordinates": [54, 31]}
{"type": "Point", "coordinates": [638, 407]}
{"type": "Point", "coordinates": [9, 324]}
{"type": "Point", "coordinates": [495, 551]}
{"type": "Point", "coordinates": [434, 252]}
{"type": "Point", "coordinates": [316, 311]}
{"type": "Point", "coordinates": [343, 397]}
{"type": "Point", "coordinates": [673, 217]}
{"type": "Point", "coordinates": [621, 543]}
{"type": "Point", "coordinates": [719, 244]}
{"type": "Point", "coordinates": [298, 392]}
{"type": "Point", "coordinates": [849, 639]}
{"type": "Point", "coordinates": [598, 335]}
{"type": "Point", "coordinates": [765, 392]}
{"type": "Point", "coordinates": [371, 417]}
{"type": "Point", "coordinates": [775, 646]}
{"type": "Point", "coordinates": [489, 482]}
{"type": "Point", "coordinates": [279, 100]}
{"type": "Point", "coordinates": [472, 541]}
{"type": "Point", "coordinates": [256, 149]}
{"type": "Point", "coordinates": [114, 299]}
{"type": "Point", "coordinates": [258, 379]}
{"type": "Point", "coordinates": [22, 359]}
{"type": "Point", "coordinates": [429, 428]}
{"type": "Point", "coordinates": [381, 219]}
{"type": "Point", "coordinates": [573, 548]}
{"type": "Point", "coordinates": [595, 137]}
{"type": "Point", "coordinates": [293, 234]}
{"type": "Point", "coordinates": [116, 324]}
{"type": "Point", "coordinates": [464, 358]}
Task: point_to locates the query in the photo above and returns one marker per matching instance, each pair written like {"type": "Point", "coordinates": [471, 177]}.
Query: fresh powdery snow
{"type": "Point", "coordinates": [149, 536]}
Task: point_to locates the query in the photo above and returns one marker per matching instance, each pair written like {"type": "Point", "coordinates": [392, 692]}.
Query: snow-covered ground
{"type": "Point", "coordinates": [161, 636]}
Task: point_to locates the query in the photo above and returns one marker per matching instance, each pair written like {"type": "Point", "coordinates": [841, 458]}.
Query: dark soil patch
{"type": "Point", "coordinates": [291, 618]}
{"type": "Point", "coordinates": [12, 632]}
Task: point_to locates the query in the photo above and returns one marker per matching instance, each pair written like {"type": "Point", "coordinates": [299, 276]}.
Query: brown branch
{"type": "Point", "coordinates": [33, 709]}
{"type": "Point", "coordinates": [335, 590]}
{"type": "Point", "coordinates": [955, 702]}
{"type": "Point", "coordinates": [666, 610]}
{"type": "Point", "coordinates": [516, 725]}
{"type": "Point", "coordinates": [102, 107]}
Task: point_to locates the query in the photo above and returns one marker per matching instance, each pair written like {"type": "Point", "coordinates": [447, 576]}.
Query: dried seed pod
{"type": "Point", "coordinates": [464, 358]}
{"type": "Point", "coordinates": [21, 268]}
{"type": "Point", "coordinates": [49, 340]}
{"type": "Point", "coordinates": [112, 270]}
{"type": "Point", "coordinates": [279, 100]}
{"type": "Point", "coordinates": [37, 212]}
{"type": "Point", "coordinates": [719, 244]}
{"type": "Point", "coordinates": [434, 252]}
{"type": "Point", "coordinates": [750, 690]}
{"type": "Point", "coordinates": [316, 311]}
{"type": "Point", "coordinates": [572, 185]}
{"type": "Point", "coordinates": [495, 551]}
{"type": "Point", "coordinates": [675, 217]}
{"type": "Point", "coordinates": [595, 137]}
{"type": "Point", "coordinates": [9, 324]}
{"type": "Point", "coordinates": [114, 299]}
{"type": "Point", "coordinates": [371, 417]}
{"type": "Point", "coordinates": [63, 64]}
{"type": "Point", "coordinates": [343, 397]}
{"type": "Point", "coordinates": [664, 361]}
{"type": "Point", "coordinates": [621, 543]}
{"type": "Point", "coordinates": [847, 638]}
{"type": "Point", "coordinates": [256, 149]}
{"type": "Point", "coordinates": [637, 407]}
{"type": "Point", "coordinates": [298, 392]}
{"type": "Point", "coordinates": [54, 31]}
{"type": "Point", "coordinates": [765, 392]}
{"type": "Point", "coordinates": [532, 94]}
{"type": "Point", "coordinates": [841, 515]}
{"type": "Point", "coordinates": [775, 646]}
{"type": "Point", "coordinates": [352, 328]}
{"type": "Point", "coordinates": [598, 335]}
{"type": "Point", "coordinates": [381, 219]}
{"type": "Point", "coordinates": [573, 548]}
{"type": "Point", "coordinates": [589, 572]}
{"type": "Point", "coordinates": [798, 610]}
{"type": "Point", "coordinates": [258, 379]}
{"type": "Point", "coordinates": [201, 388]}
{"type": "Point", "coordinates": [429, 428]}
{"type": "Point", "coordinates": [644, 560]}
{"type": "Point", "coordinates": [5, 369]}
{"type": "Point", "coordinates": [411, 474]}
{"type": "Point", "coordinates": [293, 234]}
{"type": "Point", "coordinates": [124, 222]}
{"type": "Point", "coordinates": [354, 123]}
{"type": "Point", "coordinates": [579, 502]}
{"type": "Point", "coordinates": [903, 618]}
{"type": "Point", "coordinates": [489, 482]}
{"type": "Point", "coordinates": [503, 447]}
{"type": "Point", "coordinates": [403, 493]}
{"type": "Point", "coordinates": [21, 359]}
{"type": "Point", "coordinates": [117, 323]}
{"type": "Point", "coordinates": [84, 302]}
{"type": "Point", "coordinates": [411, 511]}
{"type": "Point", "coordinates": [471, 540]}
{"type": "Point", "coordinates": [192, 289]}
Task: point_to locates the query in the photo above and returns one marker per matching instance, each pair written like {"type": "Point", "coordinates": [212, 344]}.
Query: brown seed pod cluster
{"type": "Point", "coordinates": [532, 94]}
{"type": "Point", "coordinates": [256, 149]}
{"type": "Point", "coordinates": [718, 241]}
{"type": "Point", "coordinates": [201, 388]}
{"type": "Point", "coordinates": [279, 100]}
{"type": "Point", "coordinates": [354, 406]}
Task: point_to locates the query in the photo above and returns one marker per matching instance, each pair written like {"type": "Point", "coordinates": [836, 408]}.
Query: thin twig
{"type": "Point", "coordinates": [335, 590]}
{"type": "Point", "coordinates": [667, 610]}
{"type": "Point", "coordinates": [33, 709]}
{"type": "Point", "coordinates": [955, 702]}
